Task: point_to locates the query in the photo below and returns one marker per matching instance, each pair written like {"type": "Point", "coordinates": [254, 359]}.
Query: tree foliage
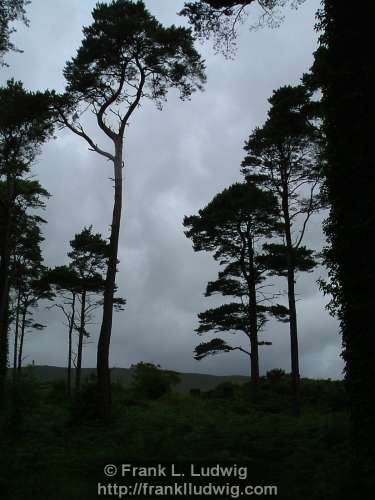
{"type": "Point", "coordinates": [344, 72]}
{"type": "Point", "coordinates": [10, 11]}
{"type": "Point", "coordinates": [284, 156]}
{"type": "Point", "coordinates": [219, 19]}
{"type": "Point", "coordinates": [25, 124]}
{"type": "Point", "coordinates": [151, 382]}
{"type": "Point", "coordinates": [28, 282]}
{"type": "Point", "coordinates": [234, 226]}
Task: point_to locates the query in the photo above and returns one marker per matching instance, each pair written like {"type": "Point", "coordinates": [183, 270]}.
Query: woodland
{"type": "Point", "coordinates": [311, 155]}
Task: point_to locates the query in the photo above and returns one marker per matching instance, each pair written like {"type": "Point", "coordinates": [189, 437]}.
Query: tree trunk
{"type": "Point", "coordinates": [23, 328]}
{"type": "Point", "coordinates": [80, 341]}
{"type": "Point", "coordinates": [292, 305]}
{"type": "Point", "coordinates": [4, 286]}
{"type": "Point", "coordinates": [16, 335]}
{"type": "Point", "coordinates": [4, 298]}
{"type": "Point", "coordinates": [253, 318]}
{"type": "Point", "coordinates": [70, 342]}
{"type": "Point", "coordinates": [4, 349]}
{"type": "Point", "coordinates": [103, 372]}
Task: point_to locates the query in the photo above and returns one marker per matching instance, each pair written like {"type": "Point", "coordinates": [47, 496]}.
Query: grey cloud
{"type": "Point", "coordinates": [175, 162]}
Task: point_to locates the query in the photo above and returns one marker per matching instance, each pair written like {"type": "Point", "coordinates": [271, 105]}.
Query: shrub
{"type": "Point", "coordinates": [151, 382]}
{"type": "Point", "coordinates": [275, 375]}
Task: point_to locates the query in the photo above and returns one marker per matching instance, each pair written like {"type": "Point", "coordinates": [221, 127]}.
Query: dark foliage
{"type": "Point", "coordinates": [344, 71]}
{"type": "Point", "coordinates": [219, 19]}
{"type": "Point", "coordinates": [10, 11]}
{"type": "Point", "coordinates": [150, 382]}
{"type": "Point", "coordinates": [305, 458]}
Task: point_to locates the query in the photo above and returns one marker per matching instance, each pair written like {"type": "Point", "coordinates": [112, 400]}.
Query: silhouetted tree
{"type": "Point", "coordinates": [88, 256]}
{"type": "Point", "coordinates": [25, 255]}
{"type": "Point", "coordinates": [29, 283]}
{"type": "Point", "coordinates": [25, 123]}
{"type": "Point", "coordinates": [219, 19]}
{"type": "Point", "coordinates": [66, 284]}
{"type": "Point", "coordinates": [126, 55]}
{"type": "Point", "coordinates": [344, 72]}
{"type": "Point", "coordinates": [233, 226]}
{"type": "Point", "coordinates": [10, 11]}
{"type": "Point", "coordinates": [284, 157]}
{"type": "Point", "coordinates": [81, 283]}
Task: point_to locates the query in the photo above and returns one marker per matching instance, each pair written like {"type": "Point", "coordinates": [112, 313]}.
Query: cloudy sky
{"type": "Point", "coordinates": [175, 162]}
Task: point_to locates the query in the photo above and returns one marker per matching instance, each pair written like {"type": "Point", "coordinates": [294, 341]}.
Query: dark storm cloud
{"type": "Point", "coordinates": [175, 162]}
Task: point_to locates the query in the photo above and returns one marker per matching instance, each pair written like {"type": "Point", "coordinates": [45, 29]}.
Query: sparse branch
{"type": "Point", "coordinates": [310, 210]}
{"type": "Point", "coordinates": [100, 115]}
{"type": "Point", "coordinates": [80, 132]}
{"type": "Point", "coordinates": [137, 99]}
{"type": "Point", "coordinates": [238, 348]}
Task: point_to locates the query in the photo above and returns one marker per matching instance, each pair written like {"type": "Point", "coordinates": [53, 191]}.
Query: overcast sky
{"type": "Point", "coordinates": [175, 162]}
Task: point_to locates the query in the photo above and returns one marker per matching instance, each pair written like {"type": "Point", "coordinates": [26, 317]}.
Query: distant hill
{"type": "Point", "coordinates": [123, 375]}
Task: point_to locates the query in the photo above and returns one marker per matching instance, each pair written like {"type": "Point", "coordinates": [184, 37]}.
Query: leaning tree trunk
{"type": "Point", "coordinates": [80, 341]}
{"type": "Point", "coordinates": [292, 306]}
{"type": "Point", "coordinates": [103, 372]}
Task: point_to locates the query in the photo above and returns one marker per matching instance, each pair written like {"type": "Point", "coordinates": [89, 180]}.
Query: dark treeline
{"type": "Point", "coordinates": [313, 152]}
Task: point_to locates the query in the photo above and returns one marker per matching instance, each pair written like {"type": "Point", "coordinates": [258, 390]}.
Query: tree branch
{"type": "Point", "coordinates": [80, 132]}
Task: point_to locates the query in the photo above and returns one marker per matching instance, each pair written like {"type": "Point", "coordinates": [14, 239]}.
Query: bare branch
{"type": "Point", "coordinates": [80, 132]}
{"type": "Point", "coordinates": [136, 100]}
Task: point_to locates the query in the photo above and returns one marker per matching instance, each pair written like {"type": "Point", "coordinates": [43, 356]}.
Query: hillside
{"type": "Point", "coordinates": [123, 375]}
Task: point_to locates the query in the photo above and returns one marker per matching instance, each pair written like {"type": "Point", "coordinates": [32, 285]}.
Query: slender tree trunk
{"type": "Point", "coordinates": [23, 328]}
{"type": "Point", "coordinates": [253, 317]}
{"type": "Point", "coordinates": [292, 305]}
{"type": "Point", "coordinates": [16, 335]}
{"type": "Point", "coordinates": [4, 298]}
{"type": "Point", "coordinates": [70, 343]}
{"type": "Point", "coordinates": [103, 372]}
{"type": "Point", "coordinates": [80, 341]}
{"type": "Point", "coordinates": [4, 349]}
{"type": "Point", "coordinates": [4, 286]}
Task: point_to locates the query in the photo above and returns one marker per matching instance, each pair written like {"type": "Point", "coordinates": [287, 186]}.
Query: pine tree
{"type": "Point", "coordinates": [234, 226]}
{"type": "Point", "coordinates": [126, 56]}
{"type": "Point", "coordinates": [25, 124]}
{"type": "Point", "coordinates": [284, 157]}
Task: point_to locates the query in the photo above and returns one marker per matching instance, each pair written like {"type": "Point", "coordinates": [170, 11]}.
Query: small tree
{"type": "Point", "coordinates": [126, 55]}
{"type": "Point", "coordinates": [66, 283]}
{"type": "Point", "coordinates": [233, 226]}
{"type": "Point", "coordinates": [82, 284]}
{"type": "Point", "coordinates": [284, 157]}
{"type": "Point", "coordinates": [29, 284]}
{"type": "Point", "coordinates": [88, 256]}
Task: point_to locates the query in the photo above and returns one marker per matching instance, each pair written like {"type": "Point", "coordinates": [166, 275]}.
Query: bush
{"type": "Point", "coordinates": [275, 375]}
{"type": "Point", "coordinates": [85, 403]}
{"type": "Point", "coordinates": [150, 382]}
{"type": "Point", "coordinates": [224, 390]}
